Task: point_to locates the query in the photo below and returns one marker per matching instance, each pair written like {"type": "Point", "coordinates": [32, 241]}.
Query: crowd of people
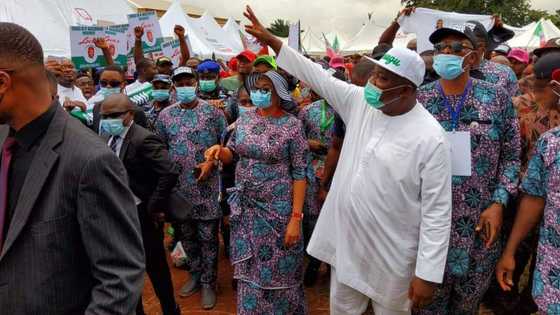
{"type": "Point", "coordinates": [428, 182]}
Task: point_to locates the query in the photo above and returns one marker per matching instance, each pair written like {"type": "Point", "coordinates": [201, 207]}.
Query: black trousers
{"type": "Point", "coordinates": [156, 263]}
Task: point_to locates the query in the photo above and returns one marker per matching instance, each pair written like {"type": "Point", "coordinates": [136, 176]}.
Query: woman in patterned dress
{"type": "Point", "coordinates": [267, 203]}
{"type": "Point", "coordinates": [318, 123]}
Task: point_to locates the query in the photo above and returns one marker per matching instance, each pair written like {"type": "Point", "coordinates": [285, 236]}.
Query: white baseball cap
{"type": "Point", "coordinates": [403, 62]}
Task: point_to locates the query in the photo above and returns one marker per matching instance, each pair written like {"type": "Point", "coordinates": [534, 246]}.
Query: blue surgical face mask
{"type": "Point", "coordinates": [207, 85]}
{"type": "Point", "coordinates": [373, 94]}
{"type": "Point", "coordinates": [186, 94]}
{"type": "Point", "coordinates": [106, 92]}
{"type": "Point", "coordinates": [260, 99]}
{"type": "Point", "coordinates": [113, 127]}
{"type": "Point", "coordinates": [242, 110]}
{"type": "Point", "coordinates": [449, 67]}
{"type": "Point", "coordinates": [160, 95]}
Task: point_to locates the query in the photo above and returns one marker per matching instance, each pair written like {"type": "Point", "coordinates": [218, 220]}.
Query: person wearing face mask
{"type": "Point", "coordinates": [394, 171]}
{"type": "Point", "coordinates": [151, 177]}
{"type": "Point", "coordinates": [208, 84]}
{"type": "Point", "coordinates": [160, 94]}
{"type": "Point", "coordinates": [112, 82]}
{"type": "Point", "coordinates": [189, 127]}
{"type": "Point", "coordinates": [535, 119]}
{"type": "Point", "coordinates": [267, 251]}
{"type": "Point", "coordinates": [489, 71]}
{"type": "Point", "coordinates": [483, 131]}
{"type": "Point", "coordinates": [227, 172]}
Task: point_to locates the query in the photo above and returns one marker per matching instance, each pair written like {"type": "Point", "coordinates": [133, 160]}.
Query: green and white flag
{"type": "Point", "coordinates": [83, 50]}
{"type": "Point", "coordinates": [141, 95]}
{"type": "Point", "coordinates": [152, 38]}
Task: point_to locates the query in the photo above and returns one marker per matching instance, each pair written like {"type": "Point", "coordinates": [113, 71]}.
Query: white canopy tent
{"type": "Point", "coordinates": [312, 44]}
{"type": "Point", "coordinates": [537, 34]}
{"type": "Point", "coordinates": [50, 20]}
{"type": "Point", "coordinates": [205, 35]}
{"type": "Point", "coordinates": [233, 30]}
{"type": "Point", "coordinates": [365, 40]}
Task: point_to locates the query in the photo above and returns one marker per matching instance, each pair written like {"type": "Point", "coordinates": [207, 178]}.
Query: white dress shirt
{"type": "Point", "coordinates": [387, 216]}
{"type": "Point", "coordinates": [73, 93]}
{"type": "Point", "coordinates": [118, 149]}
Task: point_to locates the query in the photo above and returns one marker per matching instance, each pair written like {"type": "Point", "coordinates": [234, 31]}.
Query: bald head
{"type": "Point", "coordinates": [362, 71]}
{"type": "Point", "coordinates": [116, 103]}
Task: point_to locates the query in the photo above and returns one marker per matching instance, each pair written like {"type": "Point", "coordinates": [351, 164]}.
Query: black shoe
{"type": "Point", "coordinates": [175, 311]}
{"type": "Point", "coordinates": [310, 277]}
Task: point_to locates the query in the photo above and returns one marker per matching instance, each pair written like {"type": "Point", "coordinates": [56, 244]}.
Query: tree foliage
{"type": "Point", "coordinates": [513, 12]}
{"type": "Point", "coordinates": [280, 28]}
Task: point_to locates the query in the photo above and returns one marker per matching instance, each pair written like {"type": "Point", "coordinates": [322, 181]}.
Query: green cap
{"type": "Point", "coordinates": [268, 60]}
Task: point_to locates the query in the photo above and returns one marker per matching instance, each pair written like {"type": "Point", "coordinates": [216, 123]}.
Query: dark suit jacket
{"type": "Point", "coordinates": [151, 173]}
{"type": "Point", "coordinates": [74, 244]}
{"type": "Point", "coordinates": [139, 117]}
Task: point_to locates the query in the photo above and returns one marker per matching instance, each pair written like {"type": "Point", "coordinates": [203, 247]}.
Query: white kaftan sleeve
{"type": "Point", "coordinates": [435, 227]}
{"type": "Point", "coordinates": [339, 94]}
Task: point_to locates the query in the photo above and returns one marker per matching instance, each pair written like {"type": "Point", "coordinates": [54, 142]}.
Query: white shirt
{"type": "Point", "coordinates": [120, 140]}
{"type": "Point", "coordinates": [387, 216]}
{"type": "Point", "coordinates": [118, 149]}
{"type": "Point", "coordinates": [72, 93]}
{"type": "Point", "coordinates": [423, 22]}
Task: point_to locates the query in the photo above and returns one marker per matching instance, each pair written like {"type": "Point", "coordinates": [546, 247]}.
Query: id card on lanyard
{"type": "Point", "coordinates": [460, 141]}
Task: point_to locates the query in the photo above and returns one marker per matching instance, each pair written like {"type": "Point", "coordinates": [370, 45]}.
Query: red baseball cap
{"type": "Point", "coordinates": [519, 54]}
{"type": "Point", "coordinates": [247, 54]}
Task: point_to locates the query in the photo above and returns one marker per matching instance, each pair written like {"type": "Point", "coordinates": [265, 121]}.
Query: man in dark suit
{"type": "Point", "coordinates": [112, 82]}
{"type": "Point", "coordinates": [70, 238]}
{"type": "Point", "coordinates": [151, 176]}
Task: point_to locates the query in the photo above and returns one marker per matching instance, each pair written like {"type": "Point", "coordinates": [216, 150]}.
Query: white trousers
{"type": "Point", "coordinates": [347, 301]}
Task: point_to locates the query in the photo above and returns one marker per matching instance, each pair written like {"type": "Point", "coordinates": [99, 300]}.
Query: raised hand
{"type": "Point", "coordinates": [138, 32]}
{"type": "Point", "coordinates": [101, 43]}
{"type": "Point", "coordinates": [260, 32]}
{"type": "Point", "coordinates": [179, 31]}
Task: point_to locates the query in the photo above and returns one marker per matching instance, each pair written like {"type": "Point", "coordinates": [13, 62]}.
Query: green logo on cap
{"type": "Point", "coordinates": [391, 60]}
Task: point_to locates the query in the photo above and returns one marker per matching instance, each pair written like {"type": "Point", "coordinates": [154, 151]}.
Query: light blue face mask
{"type": "Point", "coordinates": [160, 95]}
{"type": "Point", "coordinates": [373, 94]}
{"type": "Point", "coordinates": [186, 94]}
{"type": "Point", "coordinates": [113, 127]}
{"type": "Point", "coordinates": [207, 85]}
{"type": "Point", "coordinates": [242, 110]}
{"type": "Point", "coordinates": [106, 92]}
{"type": "Point", "coordinates": [449, 67]}
{"type": "Point", "coordinates": [260, 99]}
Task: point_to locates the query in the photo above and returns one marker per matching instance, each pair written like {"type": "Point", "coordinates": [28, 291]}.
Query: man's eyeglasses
{"type": "Point", "coordinates": [111, 83]}
{"type": "Point", "coordinates": [456, 46]}
{"type": "Point", "coordinates": [112, 115]}
{"type": "Point", "coordinates": [245, 102]}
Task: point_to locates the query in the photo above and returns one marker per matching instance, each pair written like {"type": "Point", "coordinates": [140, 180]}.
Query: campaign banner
{"type": "Point", "coordinates": [172, 50]}
{"type": "Point", "coordinates": [83, 50]}
{"type": "Point", "coordinates": [116, 38]}
{"type": "Point", "coordinates": [152, 38]}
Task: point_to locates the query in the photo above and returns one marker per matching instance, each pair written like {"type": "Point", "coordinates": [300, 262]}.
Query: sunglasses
{"type": "Point", "coordinates": [245, 102]}
{"type": "Point", "coordinates": [455, 46]}
{"type": "Point", "coordinates": [112, 115]}
{"type": "Point", "coordinates": [112, 83]}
